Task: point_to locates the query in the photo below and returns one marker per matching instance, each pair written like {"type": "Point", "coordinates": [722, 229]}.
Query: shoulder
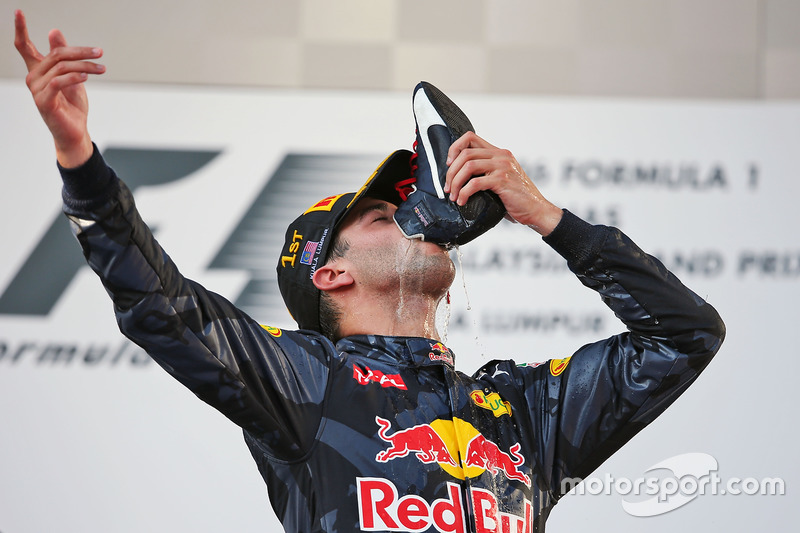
{"type": "Point", "coordinates": [293, 341]}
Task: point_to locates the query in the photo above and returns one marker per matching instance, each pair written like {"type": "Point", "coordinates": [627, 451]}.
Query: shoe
{"type": "Point", "coordinates": [426, 212]}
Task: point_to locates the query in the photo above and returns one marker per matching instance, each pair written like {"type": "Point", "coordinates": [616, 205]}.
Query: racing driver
{"type": "Point", "coordinates": [358, 421]}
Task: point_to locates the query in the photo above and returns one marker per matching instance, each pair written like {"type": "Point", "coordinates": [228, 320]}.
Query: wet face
{"type": "Point", "coordinates": [380, 256]}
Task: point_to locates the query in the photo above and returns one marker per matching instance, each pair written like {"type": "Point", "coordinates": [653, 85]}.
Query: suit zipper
{"type": "Point", "coordinates": [466, 487]}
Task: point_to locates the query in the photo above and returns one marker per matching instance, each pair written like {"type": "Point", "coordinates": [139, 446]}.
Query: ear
{"type": "Point", "coordinates": [331, 276]}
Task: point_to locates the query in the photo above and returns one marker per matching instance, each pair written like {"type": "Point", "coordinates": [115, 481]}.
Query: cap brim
{"type": "Point", "coordinates": [381, 184]}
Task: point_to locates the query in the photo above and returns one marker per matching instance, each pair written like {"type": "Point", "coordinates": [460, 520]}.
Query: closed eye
{"type": "Point", "coordinates": [379, 210]}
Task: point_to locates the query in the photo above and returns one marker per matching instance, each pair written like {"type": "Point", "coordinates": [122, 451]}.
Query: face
{"type": "Point", "coordinates": [382, 257]}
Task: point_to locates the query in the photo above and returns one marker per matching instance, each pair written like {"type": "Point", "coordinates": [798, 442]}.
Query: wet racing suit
{"type": "Point", "coordinates": [381, 433]}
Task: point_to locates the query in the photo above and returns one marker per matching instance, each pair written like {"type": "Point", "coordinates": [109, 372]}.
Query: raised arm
{"type": "Point", "coordinates": [585, 407]}
{"type": "Point", "coordinates": [269, 382]}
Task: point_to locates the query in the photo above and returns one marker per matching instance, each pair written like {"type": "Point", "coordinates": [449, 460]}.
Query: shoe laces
{"type": "Point", "coordinates": [406, 186]}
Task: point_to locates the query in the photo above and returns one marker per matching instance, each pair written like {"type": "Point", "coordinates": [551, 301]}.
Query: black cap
{"type": "Point", "coordinates": [310, 236]}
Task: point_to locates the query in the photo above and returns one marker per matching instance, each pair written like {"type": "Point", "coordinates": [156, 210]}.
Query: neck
{"type": "Point", "coordinates": [404, 315]}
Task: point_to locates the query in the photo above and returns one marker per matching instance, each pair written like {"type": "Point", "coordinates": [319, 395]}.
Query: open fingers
{"type": "Point", "coordinates": [63, 74]}
{"type": "Point", "coordinates": [22, 41]}
{"type": "Point", "coordinates": [64, 60]}
{"type": "Point", "coordinates": [38, 64]}
{"type": "Point", "coordinates": [60, 52]}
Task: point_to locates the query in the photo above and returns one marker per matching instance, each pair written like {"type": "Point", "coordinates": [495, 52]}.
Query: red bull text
{"type": "Point", "coordinates": [440, 352]}
{"type": "Point", "coordinates": [380, 508]}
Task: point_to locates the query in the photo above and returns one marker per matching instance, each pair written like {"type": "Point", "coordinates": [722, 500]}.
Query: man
{"type": "Point", "coordinates": [370, 428]}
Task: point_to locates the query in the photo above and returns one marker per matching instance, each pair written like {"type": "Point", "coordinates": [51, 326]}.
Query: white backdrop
{"type": "Point", "coordinates": [110, 443]}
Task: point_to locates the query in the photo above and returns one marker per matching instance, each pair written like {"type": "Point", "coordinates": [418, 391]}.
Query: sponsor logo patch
{"type": "Point", "coordinates": [326, 204]}
{"type": "Point", "coordinates": [438, 442]}
{"type": "Point", "coordinates": [440, 352]}
{"type": "Point", "coordinates": [492, 402]}
{"type": "Point", "coordinates": [557, 366]}
{"type": "Point", "coordinates": [367, 376]}
{"type": "Point", "coordinates": [422, 441]}
{"type": "Point", "coordinates": [423, 216]}
{"type": "Point", "coordinates": [380, 508]}
{"type": "Point", "coordinates": [275, 332]}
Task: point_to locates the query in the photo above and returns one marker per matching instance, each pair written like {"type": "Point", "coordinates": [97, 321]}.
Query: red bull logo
{"type": "Point", "coordinates": [485, 454]}
{"type": "Point", "coordinates": [422, 441]}
{"type": "Point", "coordinates": [440, 352]}
{"type": "Point", "coordinates": [443, 441]}
{"type": "Point", "coordinates": [380, 508]}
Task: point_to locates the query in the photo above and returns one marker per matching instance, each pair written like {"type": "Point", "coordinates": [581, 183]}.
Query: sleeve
{"type": "Point", "coordinates": [585, 407]}
{"type": "Point", "coordinates": [269, 382]}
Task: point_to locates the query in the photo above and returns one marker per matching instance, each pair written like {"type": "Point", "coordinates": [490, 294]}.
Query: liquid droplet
{"type": "Point", "coordinates": [460, 260]}
{"type": "Point", "coordinates": [460, 257]}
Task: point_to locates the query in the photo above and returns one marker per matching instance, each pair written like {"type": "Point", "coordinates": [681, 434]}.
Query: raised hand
{"type": "Point", "coordinates": [56, 83]}
{"type": "Point", "coordinates": [476, 165]}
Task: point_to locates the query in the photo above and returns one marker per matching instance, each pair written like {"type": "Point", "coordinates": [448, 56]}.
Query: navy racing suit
{"type": "Point", "coordinates": [379, 433]}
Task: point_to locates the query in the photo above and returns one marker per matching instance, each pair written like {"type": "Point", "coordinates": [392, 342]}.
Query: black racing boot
{"type": "Point", "coordinates": [427, 212]}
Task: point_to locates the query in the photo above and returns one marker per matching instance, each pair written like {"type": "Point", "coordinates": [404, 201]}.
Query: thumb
{"type": "Point", "coordinates": [57, 39]}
